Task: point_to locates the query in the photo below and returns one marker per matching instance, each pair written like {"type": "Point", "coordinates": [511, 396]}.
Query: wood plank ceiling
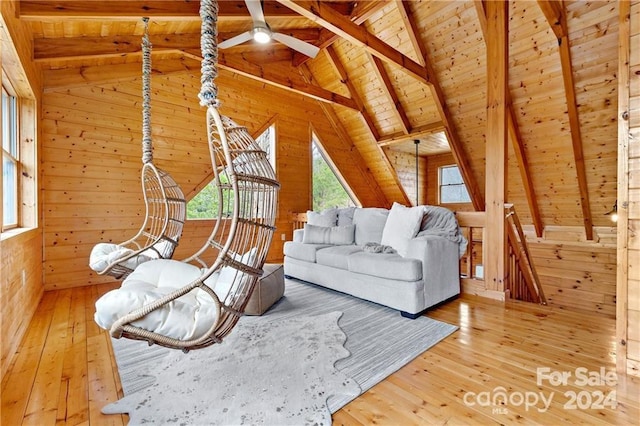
{"type": "Point", "coordinates": [392, 72]}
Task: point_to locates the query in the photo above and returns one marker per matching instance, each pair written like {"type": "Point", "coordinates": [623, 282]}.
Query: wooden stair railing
{"type": "Point", "coordinates": [522, 281]}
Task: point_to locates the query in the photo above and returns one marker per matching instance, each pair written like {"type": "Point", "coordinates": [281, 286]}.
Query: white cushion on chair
{"type": "Point", "coordinates": [184, 318]}
{"type": "Point", "coordinates": [103, 254]}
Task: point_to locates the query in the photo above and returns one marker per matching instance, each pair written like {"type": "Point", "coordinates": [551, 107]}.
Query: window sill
{"type": "Point", "coordinates": [14, 232]}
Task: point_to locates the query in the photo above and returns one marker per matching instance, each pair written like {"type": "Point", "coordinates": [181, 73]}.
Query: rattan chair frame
{"type": "Point", "coordinates": [245, 181]}
{"type": "Point", "coordinates": [165, 204]}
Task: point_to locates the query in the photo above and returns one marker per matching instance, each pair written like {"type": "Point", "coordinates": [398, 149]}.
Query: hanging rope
{"type": "Point", "coordinates": [147, 150]}
{"type": "Point", "coordinates": [209, 46]}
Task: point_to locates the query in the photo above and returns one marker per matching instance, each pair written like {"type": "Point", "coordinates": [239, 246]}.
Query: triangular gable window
{"type": "Point", "coordinates": [329, 190]}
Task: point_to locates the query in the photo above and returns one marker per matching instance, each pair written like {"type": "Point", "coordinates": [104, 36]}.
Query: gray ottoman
{"type": "Point", "coordinates": [269, 289]}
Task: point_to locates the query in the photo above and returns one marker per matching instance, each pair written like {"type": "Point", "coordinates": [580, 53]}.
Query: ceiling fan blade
{"type": "Point", "coordinates": [255, 10]}
{"type": "Point", "coordinates": [233, 41]}
{"type": "Point", "coordinates": [301, 46]}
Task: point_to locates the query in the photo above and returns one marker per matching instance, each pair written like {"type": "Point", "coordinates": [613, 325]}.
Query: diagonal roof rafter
{"type": "Point", "coordinates": [327, 17]}
{"type": "Point", "coordinates": [457, 147]}
{"type": "Point", "coordinates": [556, 15]}
{"type": "Point", "coordinates": [336, 63]}
{"type": "Point", "coordinates": [516, 139]}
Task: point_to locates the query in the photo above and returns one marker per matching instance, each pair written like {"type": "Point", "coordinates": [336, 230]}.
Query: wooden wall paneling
{"type": "Point", "coordinates": [628, 282]}
{"type": "Point", "coordinates": [404, 165]}
{"type": "Point", "coordinates": [21, 253]}
{"type": "Point", "coordinates": [577, 275]}
{"type": "Point", "coordinates": [22, 289]}
{"type": "Point", "coordinates": [107, 122]}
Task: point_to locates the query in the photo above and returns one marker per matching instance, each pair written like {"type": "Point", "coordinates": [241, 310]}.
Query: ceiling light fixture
{"type": "Point", "coordinates": [261, 34]}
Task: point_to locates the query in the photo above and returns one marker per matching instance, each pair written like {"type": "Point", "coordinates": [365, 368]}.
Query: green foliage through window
{"type": "Point", "coordinates": [328, 191]}
{"type": "Point", "coordinates": [205, 204]}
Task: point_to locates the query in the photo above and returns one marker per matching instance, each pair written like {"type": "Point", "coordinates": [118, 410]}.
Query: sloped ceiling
{"type": "Point", "coordinates": [393, 72]}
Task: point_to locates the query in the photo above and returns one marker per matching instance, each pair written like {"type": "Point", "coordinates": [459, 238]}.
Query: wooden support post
{"type": "Point", "coordinates": [496, 144]}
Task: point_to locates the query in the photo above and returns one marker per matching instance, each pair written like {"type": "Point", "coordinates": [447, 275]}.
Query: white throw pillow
{"type": "Point", "coordinates": [327, 217]}
{"type": "Point", "coordinates": [335, 235]}
{"type": "Point", "coordinates": [345, 216]}
{"type": "Point", "coordinates": [402, 225]}
{"type": "Point", "coordinates": [369, 224]}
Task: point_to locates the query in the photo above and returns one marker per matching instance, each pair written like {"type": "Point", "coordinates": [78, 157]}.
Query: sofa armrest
{"type": "Point", "coordinates": [298, 235]}
{"type": "Point", "coordinates": [440, 267]}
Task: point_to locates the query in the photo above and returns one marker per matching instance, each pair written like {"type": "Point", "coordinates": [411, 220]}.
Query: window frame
{"type": "Point", "coordinates": [315, 141]}
{"type": "Point", "coordinates": [11, 152]}
{"type": "Point", "coordinates": [273, 140]}
{"type": "Point", "coordinates": [441, 185]}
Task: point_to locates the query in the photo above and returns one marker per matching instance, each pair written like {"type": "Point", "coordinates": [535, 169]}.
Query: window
{"type": "Point", "coordinates": [10, 159]}
{"type": "Point", "coordinates": [328, 189]}
{"type": "Point", "coordinates": [267, 141]}
{"type": "Point", "coordinates": [452, 187]}
{"type": "Point", "coordinates": [205, 204]}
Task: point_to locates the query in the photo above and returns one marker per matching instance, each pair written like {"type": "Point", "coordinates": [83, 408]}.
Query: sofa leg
{"type": "Point", "coordinates": [410, 316]}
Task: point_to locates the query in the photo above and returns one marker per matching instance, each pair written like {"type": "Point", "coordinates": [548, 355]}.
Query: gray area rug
{"type": "Point", "coordinates": [378, 339]}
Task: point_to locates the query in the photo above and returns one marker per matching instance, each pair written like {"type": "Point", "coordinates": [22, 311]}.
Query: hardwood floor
{"type": "Point", "coordinates": [64, 371]}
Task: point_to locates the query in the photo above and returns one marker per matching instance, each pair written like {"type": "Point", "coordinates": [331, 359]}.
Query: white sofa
{"type": "Point", "coordinates": [404, 258]}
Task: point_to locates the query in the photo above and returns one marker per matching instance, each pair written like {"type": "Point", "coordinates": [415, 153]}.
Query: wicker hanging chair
{"type": "Point", "coordinates": [190, 304]}
{"type": "Point", "coordinates": [165, 205]}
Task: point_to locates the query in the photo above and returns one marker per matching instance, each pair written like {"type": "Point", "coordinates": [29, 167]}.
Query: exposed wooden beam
{"type": "Point", "coordinates": [495, 266]}
{"type": "Point", "coordinates": [438, 96]}
{"type": "Point", "coordinates": [344, 77]}
{"type": "Point", "coordinates": [555, 13]}
{"type": "Point", "coordinates": [361, 12]}
{"type": "Point", "coordinates": [263, 75]}
{"type": "Point", "coordinates": [189, 62]}
{"type": "Point", "coordinates": [343, 135]}
{"type": "Point", "coordinates": [74, 47]}
{"type": "Point", "coordinates": [517, 141]}
{"type": "Point", "coordinates": [387, 88]}
{"type": "Point", "coordinates": [369, 122]}
{"type": "Point", "coordinates": [327, 17]}
{"type": "Point", "coordinates": [416, 133]}
{"type": "Point", "coordinates": [83, 47]}
{"type": "Point", "coordinates": [102, 74]}
{"type": "Point", "coordinates": [155, 9]}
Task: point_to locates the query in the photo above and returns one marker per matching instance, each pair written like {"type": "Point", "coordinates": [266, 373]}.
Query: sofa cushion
{"type": "Point", "coordinates": [336, 256]}
{"type": "Point", "coordinates": [369, 224]}
{"type": "Point", "coordinates": [345, 216]}
{"type": "Point", "coordinates": [334, 235]}
{"type": "Point", "coordinates": [327, 217]}
{"type": "Point", "coordinates": [302, 251]}
{"type": "Point", "coordinates": [402, 224]}
{"type": "Point", "coordinates": [382, 265]}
